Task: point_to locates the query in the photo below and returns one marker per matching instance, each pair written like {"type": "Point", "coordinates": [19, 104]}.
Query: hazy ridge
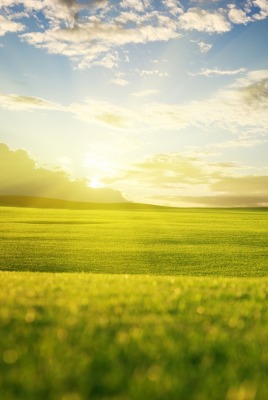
{"type": "Point", "coordinates": [43, 202]}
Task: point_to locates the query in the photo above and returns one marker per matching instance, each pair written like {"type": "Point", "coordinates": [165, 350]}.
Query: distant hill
{"type": "Point", "coordinates": [42, 202]}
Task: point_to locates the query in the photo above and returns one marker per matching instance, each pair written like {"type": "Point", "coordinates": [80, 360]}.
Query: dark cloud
{"type": "Point", "coordinates": [257, 185]}
{"type": "Point", "coordinates": [19, 175]}
{"type": "Point", "coordinates": [205, 2]}
{"type": "Point", "coordinates": [74, 5]}
{"type": "Point", "coordinates": [68, 3]}
{"type": "Point", "coordinates": [68, 10]}
{"type": "Point", "coordinates": [243, 191]}
{"type": "Point", "coordinates": [257, 93]}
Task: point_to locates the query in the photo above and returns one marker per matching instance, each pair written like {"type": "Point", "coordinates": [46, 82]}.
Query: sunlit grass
{"type": "Point", "coordinates": [135, 329]}
{"type": "Point", "coordinates": [165, 241]}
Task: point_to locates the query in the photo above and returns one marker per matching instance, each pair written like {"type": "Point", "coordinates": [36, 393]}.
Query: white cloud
{"type": "Point", "coordinates": [129, 16]}
{"type": "Point", "coordinates": [151, 72]}
{"type": "Point", "coordinates": [7, 25]}
{"type": "Point", "coordinates": [251, 78]}
{"type": "Point", "coordinates": [137, 5]}
{"type": "Point", "coordinates": [119, 82]}
{"type": "Point", "coordinates": [87, 32]}
{"type": "Point", "coordinates": [175, 7]}
{"type": "Point", "coordinates": [204, 21]}
{"type": "Point", "coordinates": [86, 42]}
{"type": "Point", "coordinates": [29, 4]}
{"type": "Point", "coordinates": [212, 72]}
{"type": "Point", "coordinates": [263, 5]}
{"type": "Point", "coordinates": [109, 60]}
{"type": "Point", "coordinates": [237, 16]}
{"type": "Point", "coordinates": [203, 46]}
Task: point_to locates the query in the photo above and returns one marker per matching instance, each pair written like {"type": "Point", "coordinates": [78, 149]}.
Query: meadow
{"type": "Point", "coordinates": [133, 303]}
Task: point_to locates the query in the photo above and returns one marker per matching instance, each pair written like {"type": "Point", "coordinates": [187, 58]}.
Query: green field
{"type": "Point", "coordinates": [133, 303]}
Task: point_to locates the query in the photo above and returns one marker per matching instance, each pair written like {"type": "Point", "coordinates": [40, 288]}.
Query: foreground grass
{"type": "Point", "coordinates": [91, 336]}
{"type": "Point", "coordinates": [173, 304]}
{"type": "Point", "coordinates": [164, 241]}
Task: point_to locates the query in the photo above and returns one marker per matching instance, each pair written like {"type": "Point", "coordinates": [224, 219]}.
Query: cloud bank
{"type": "Point", "coordinates": [19, 175]}
{"type": "Point", "coordinates": [180, 179]}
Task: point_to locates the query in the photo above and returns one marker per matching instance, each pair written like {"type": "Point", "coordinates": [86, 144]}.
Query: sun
{"type": "Point", "coordinates": [95, 183]}
{"type": "Point", "coordinates": [99, 168]}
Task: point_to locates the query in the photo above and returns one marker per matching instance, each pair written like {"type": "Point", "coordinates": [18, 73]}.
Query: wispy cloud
{"type": "Point", "coordinates": [247, 143]}
{"type": "Point", "coordinates": [212, 72]}
{"type": "Point", "coordinates": [145, 93]}
{"type": "Point", "coordinates": [119, 82]}
{"type": "Point", "coordinates": [203, 46]}
{"type": "Point", "coordinates": [241, 105]}
{"type": "Point", "coordinates": [150, 72]}
{"type": "Point", "coordinates": [27, 103]}
{"type": "Point", "coordinates": [102, 112]}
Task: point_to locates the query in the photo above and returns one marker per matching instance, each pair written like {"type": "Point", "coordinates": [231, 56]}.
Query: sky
{"type": "Point", "coordinates": [162, 101]}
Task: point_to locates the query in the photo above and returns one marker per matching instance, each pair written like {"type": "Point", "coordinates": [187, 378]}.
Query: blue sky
{"type": "Point", "coordinates": [165, 101]}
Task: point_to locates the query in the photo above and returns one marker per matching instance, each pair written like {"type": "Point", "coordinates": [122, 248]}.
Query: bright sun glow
{"type": "Point", "coordinates": [98, 168]}
{"type": "Point", "coordinates": [95, 183]}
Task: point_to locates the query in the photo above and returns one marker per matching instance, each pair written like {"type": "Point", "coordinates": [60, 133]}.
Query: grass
{"type": "Point", "coordinates": [172, 304]}
{"type": "Point", "coordinates": [165, 241]}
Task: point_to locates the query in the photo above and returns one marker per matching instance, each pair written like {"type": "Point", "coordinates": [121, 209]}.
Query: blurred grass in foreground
{"type": "Point", "coordinates": [92, 336]}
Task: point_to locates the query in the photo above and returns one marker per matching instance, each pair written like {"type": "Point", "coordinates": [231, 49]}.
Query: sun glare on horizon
{"type": "Point", "coordinates": [95, 183]}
